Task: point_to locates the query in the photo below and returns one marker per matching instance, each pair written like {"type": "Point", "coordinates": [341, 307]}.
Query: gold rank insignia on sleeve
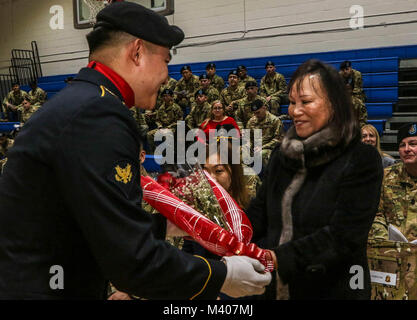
{"type": "Point", "coordinates": [123, 174]}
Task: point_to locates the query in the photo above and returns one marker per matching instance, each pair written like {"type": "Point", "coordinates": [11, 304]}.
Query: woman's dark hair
{"type": "Point", "coordinates": [343, 119]}
{"type": "Point", "coordinates": [238, 188]}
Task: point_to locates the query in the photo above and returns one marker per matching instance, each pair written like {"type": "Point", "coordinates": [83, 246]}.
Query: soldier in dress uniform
{"type": "Point", "coordinates": [37, 95]}
{"type": "Point", "coordinates": [167, 116]}
{"type": "Point", "coordinates": [70, 190]}
{"type": "Point", "coordinates": [272, 130]}
{"type": "Point", "coordinates": [354, 77]}
{"type": "Point", "coordinates": [244, 106]}
{"type": "Point", "coordinates": [273, 87]}
{"type": "Point", "coordinates": [216, 80]}
{"type": "Point", "coordinates": [398, 202]}
{"type": "Point", "coordinates": [186, 87]}
{"type": "Point", "coordinates": [200, 110]}
{"type": "Point", "coordinates": [232, 93]}
{"type": "Point", "coordinates": [211, 92]}
{"type": "Point", "coordinates": [243, 76]}
{"type": "Point", "coordinates": [12, 101]}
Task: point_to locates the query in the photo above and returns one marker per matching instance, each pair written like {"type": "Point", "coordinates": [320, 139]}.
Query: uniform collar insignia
{"type": "Point", "coordinates": [123, 87]}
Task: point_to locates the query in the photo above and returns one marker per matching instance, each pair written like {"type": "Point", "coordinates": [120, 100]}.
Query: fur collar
{"type": "Point", "coordinates": [318, 149]}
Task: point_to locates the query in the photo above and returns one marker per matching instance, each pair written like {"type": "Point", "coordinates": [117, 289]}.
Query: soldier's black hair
{"type": "Point", "coordinates": [103, 36]}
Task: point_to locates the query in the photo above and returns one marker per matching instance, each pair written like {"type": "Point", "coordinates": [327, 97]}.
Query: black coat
{"type": "Point", "coordinates": [63, 202]}
{"type": "Point", "coordinates": [332, 214]}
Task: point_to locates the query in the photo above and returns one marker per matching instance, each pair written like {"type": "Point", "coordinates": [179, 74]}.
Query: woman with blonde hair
{"type": "Point", "coordinates": [370, 136]}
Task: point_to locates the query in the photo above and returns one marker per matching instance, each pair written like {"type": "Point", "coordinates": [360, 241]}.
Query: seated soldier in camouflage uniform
{"type": "Point", "coordinates": [185, 88]}
{"type": "Point", "coordinates": [244, 110]}
{"type": "Point", "coordinates": [26, 110]}
{"type": "Point", "coordinates": [37, 95]}
{"type": "Point", "coordinates": [272, 130]}
{"type": "Point", "coordinates": [166, 117]}
{"type": "Point", "coordinates": [140, 120]}
{"type": "Point", "coordinates": [354, 77]}
{"type": "Point", "coordinates": [359, 108]}
{"type": "Point", "coordinates": [169, 84]}
{"type": "Point", "coordinates": [12, 101]}
{"type": "Point", "coordinates": [5, 144]}
{"type": "Point", "coordinates": [243, 76]}
{"type": "Point", "coordinates": [216, 80]}
{"type": "Point", "coordinates": [398, 202]}
{"type": "Point", "coordinates": [273, 87]}
{"type": "Point", "coordinates": [232, 93]}
{"type": "Point", "coordinates": [200, 110]}
{"type": "Point", "coordinates": [211, 92]}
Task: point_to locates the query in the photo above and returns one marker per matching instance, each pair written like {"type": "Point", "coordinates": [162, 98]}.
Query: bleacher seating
{"type": "Point", "coordinates": [379, 67]}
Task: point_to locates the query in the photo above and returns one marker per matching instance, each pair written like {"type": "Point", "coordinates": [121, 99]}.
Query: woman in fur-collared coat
{"type": "Point", "coordinates": [319, 195]}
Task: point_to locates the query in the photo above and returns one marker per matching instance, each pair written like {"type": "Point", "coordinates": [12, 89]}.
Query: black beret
{"type": "Point", "coordinates": [241, 67]}
{"type": "Point", "coordinates": [269, 63]}
{"type": "Point", "coordinates": [15, 84]}
{"type": "Point", "coordinates": [210, 65]}
{"type": "Point", "coordinates": [204, 76]}
{"type": "Point", "coordinates": [251, 84]}
{"type": "Point", "coordinates": [256, 105]}
{"type": "Point", "coordinates": [167, 91]}
{"type": "Point", "coordinates": [187, 67]}
{"type": "Point", "coordinates": [407, 130]}
{"type": "Point", "coordinates": [233, 72]}
{"type": "Point", "coordinates": [345, 64]}
{"type": "Point", "coordinates": [140, 22]}
{"type": "Point", "coordinates": [199, 92]}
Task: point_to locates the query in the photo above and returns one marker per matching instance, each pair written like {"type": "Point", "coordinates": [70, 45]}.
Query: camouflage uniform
{"type": "Point", "coordinates": [212, 93]}
{"type": "Point", "coordinates": [244, 111]}
{"type": "Point", "coordinates": [360, 111]}
{"type": "Point", "coordinates": [242, 82]}
{"type": "Point", "coordinates": [139, 117]}
{"type": "Point", "coordinates": [4, 147]}
{"type": "Point", "coordinates": [166, 117]}
{"type": "Point", "coordinates": [272, 134]}
{"type": "Point", "coordinates": [189, 87]}
{"type": "Point", "coordinates": [274, 86]}
{"type": "Point", "coordinates": [198, 114]}
{"type": "Point", "coordinates": [14, 99]}
{"type": "Point", "coordinates": [26, 114]}
{"type": "Point", "coordinates": [229, 94]}
{"type": "Point", "coordinates": [397, 205]}
{"type": "Point", "coordinates": [217, 82]}
{"type": "Point", "coordinates": [252, 181]}
{"type": "Point", "coordinates": [37, 96]}
{"type": "Point", "coordinates": [171, 83]}
{"type": "Point", "coordinates": [357, 85]}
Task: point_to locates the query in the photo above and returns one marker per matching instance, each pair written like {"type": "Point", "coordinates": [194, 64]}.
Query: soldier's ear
{"type": "Point", "coordinates": [136, 51]}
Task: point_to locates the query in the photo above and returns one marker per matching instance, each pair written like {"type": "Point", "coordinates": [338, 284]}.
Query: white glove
{"type": "Point", "coordinates": [244, 277]}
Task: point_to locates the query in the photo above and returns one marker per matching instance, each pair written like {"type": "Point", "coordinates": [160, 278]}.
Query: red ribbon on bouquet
{"type": "Point", "coordinates": [210, 235]}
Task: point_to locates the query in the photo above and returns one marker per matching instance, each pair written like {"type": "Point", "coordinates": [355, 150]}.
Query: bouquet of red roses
{"type": "Point", "coordinates": [197, 204]}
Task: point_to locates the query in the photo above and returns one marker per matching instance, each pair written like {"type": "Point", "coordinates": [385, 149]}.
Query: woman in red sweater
{"type": "Point", "coordinates": [218, 119]}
